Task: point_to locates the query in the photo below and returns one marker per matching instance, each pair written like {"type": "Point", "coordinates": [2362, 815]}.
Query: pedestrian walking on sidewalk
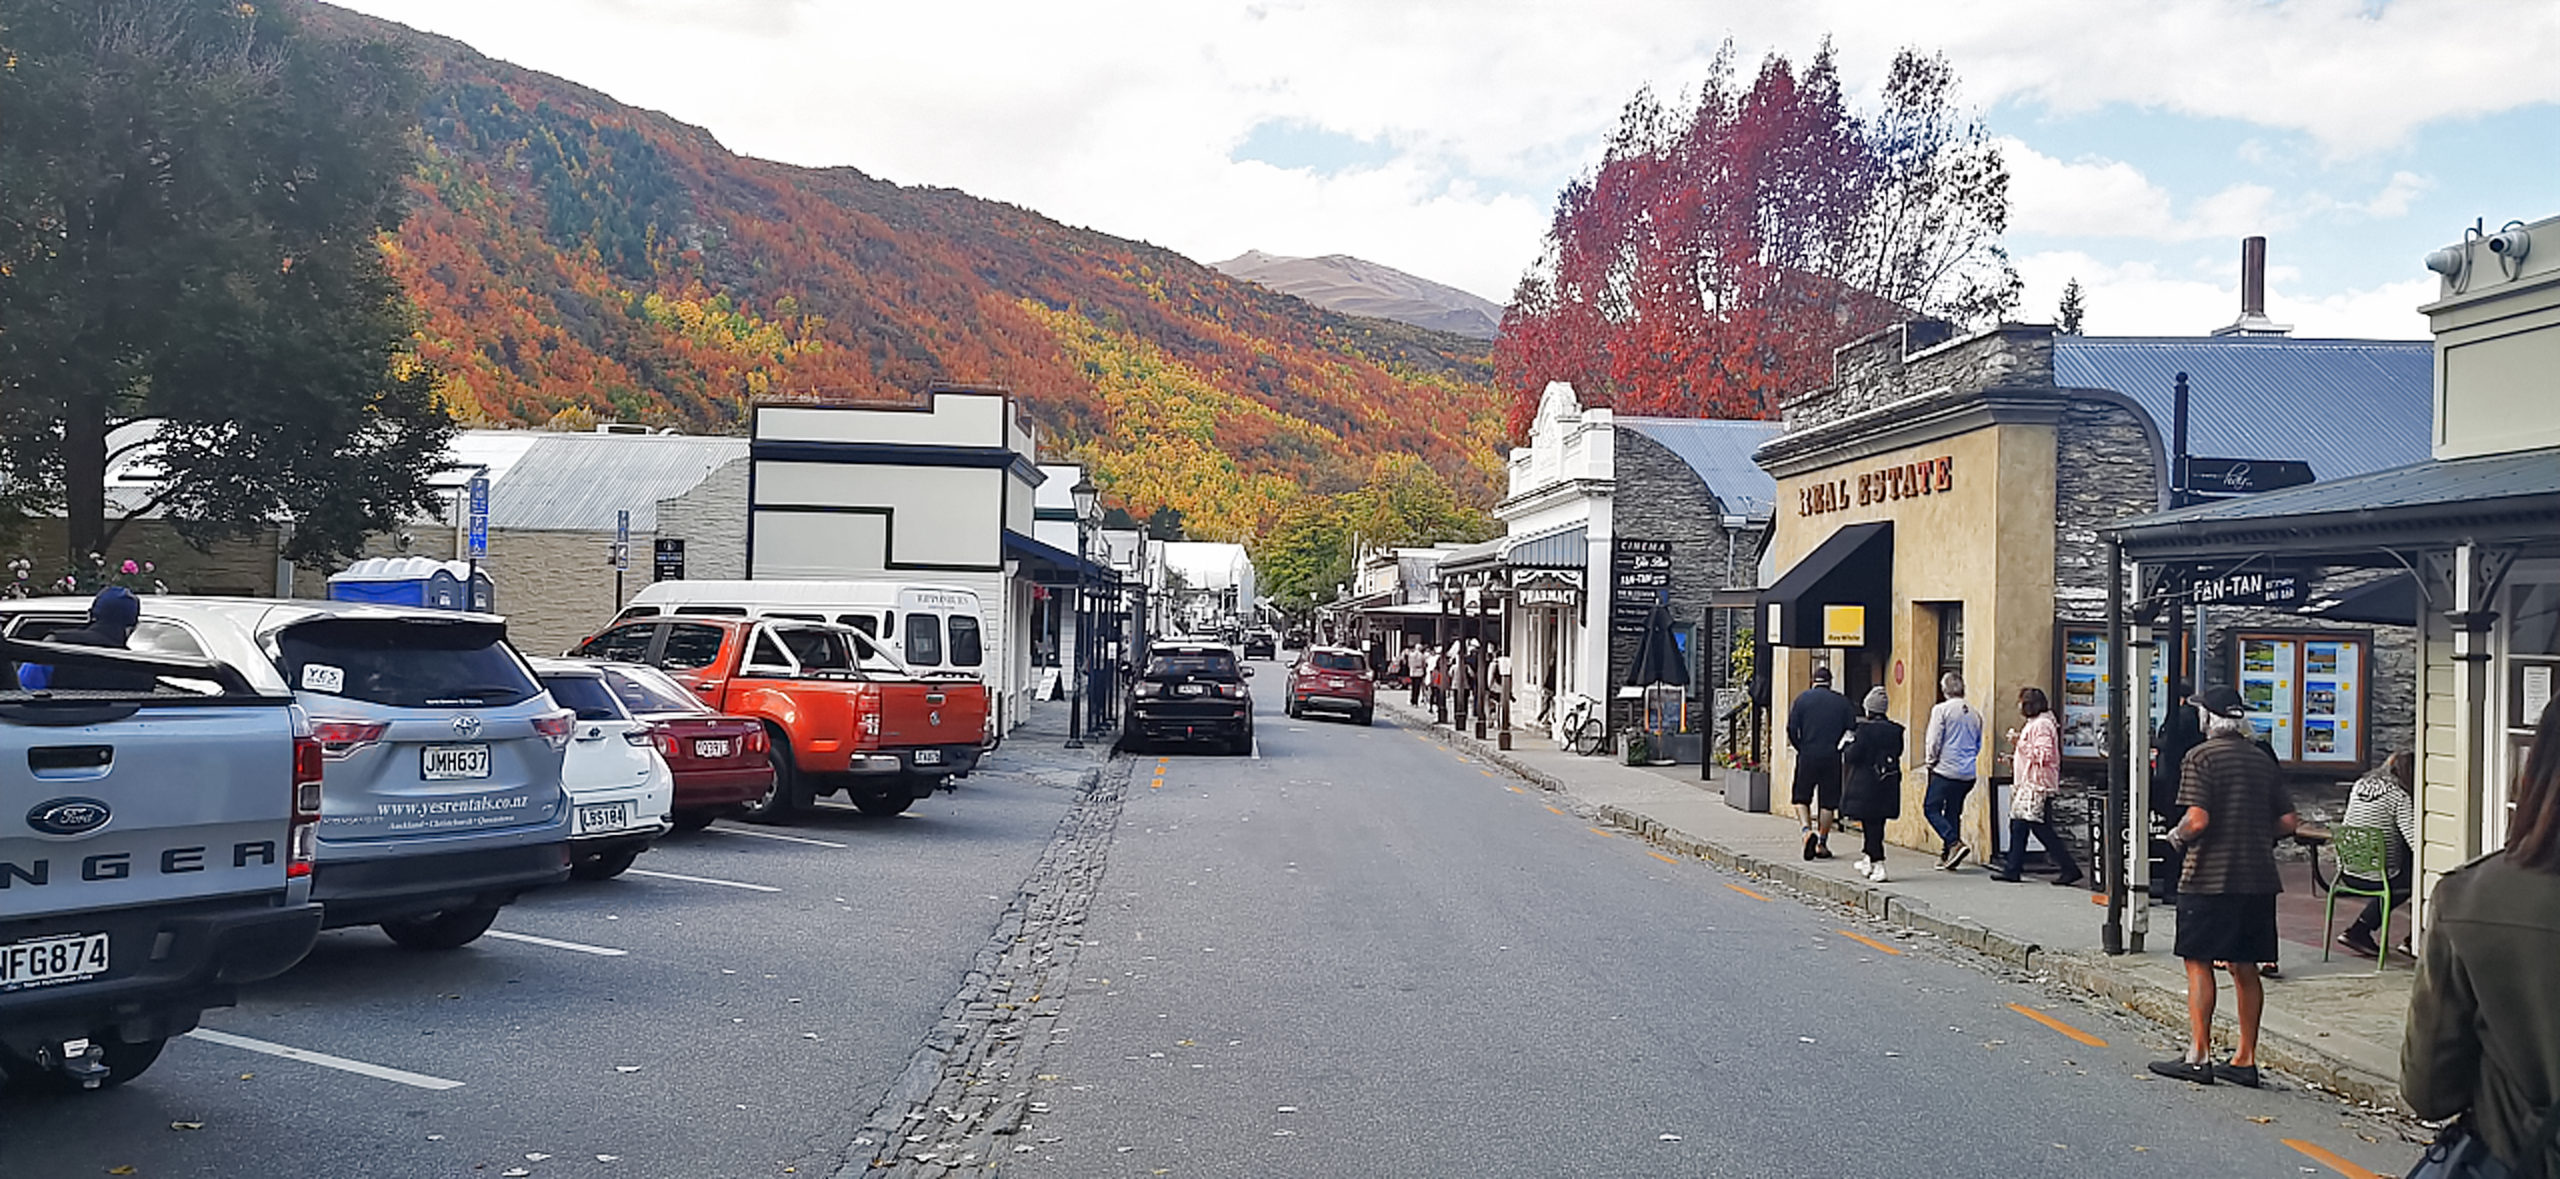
{"type": "Point", "coordinates": [1443, 660]}
{"type": "Point", "coordinates": [2481, 1042]}
{"type": "Point", "coordinates": [2039, 764]}
{"type": "Point", "coordinates": [1817, 724]}
{"type": "Point", "coordinates": [1417, 669]}
{"type": "Point", "coordinates": [1951, 753]}
{"type": "Point", "coordinates": [2236, 809]}
{"type": "Point", "coordinates": [2382, 800]}
{"type": "Point", "coordinates": [1871, 790]}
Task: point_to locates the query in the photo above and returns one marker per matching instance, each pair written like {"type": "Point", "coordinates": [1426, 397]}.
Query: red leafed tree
{"type": "Point", "coordinates": [1711, 261]}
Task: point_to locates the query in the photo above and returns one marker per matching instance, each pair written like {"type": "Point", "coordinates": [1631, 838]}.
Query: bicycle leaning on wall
{"type": "Point", "coordinates": [1586, 726]}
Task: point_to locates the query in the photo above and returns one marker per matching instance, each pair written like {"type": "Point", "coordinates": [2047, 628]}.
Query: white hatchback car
{"type": "Point", "coordinates": [621, 793]}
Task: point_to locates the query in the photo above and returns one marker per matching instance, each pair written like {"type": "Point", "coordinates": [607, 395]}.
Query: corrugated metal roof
{"type": "Point", "coordinates": [576, 482]}
{"type": "Point", "coordinates": [2483, 481]}
{"type": "Point", "coordinates": [1720, 452]}
{"type": "Point", "coordinates": [2347, 407]}
{"type": "Point", "coordinates": [1568, 548]}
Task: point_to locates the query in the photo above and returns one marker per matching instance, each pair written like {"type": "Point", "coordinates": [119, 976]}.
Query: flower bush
{"type": "Point", "coordinates": [23, 581]}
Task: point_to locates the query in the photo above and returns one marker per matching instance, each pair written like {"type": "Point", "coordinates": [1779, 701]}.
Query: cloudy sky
{"type": "Point", "coordinates": [2143, 138]}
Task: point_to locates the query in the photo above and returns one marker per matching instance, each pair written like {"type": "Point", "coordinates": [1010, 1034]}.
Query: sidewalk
{"type": "Point", "coordinates": [2336, 1024]}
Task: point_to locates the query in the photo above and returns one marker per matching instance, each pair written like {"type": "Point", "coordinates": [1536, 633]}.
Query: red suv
{"type": "Point", "coordinates": [1332, 679]}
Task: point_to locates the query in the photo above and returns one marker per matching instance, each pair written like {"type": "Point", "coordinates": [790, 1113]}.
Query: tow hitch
{"type": "Point", "coordinates": [81, 1061]}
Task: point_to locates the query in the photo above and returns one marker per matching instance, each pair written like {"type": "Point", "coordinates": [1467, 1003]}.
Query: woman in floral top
{"type": "Point", "coordinates": [2039, 764]}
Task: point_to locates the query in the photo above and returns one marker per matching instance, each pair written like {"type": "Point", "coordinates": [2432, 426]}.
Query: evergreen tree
{"type": "Point", "coordinates": [2074, 308]}
{"type": "Point", "coordinates": [193, 196]}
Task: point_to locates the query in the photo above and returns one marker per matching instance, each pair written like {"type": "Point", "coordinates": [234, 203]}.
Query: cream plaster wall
{"type": "Point", "coordinates": [1987, 542]}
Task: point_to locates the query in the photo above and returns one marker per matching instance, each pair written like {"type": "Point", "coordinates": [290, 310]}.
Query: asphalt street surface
{"type": "Point", "coordinates": [1355, 953]}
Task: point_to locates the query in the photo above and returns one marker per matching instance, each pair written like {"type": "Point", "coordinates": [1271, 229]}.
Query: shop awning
{"type": "Point", "coordinates": [1839, 595]}
{"type": "Point", "coordinates": [1568, 548]}
{"type": "Point", "coordinates": [1047, 564]}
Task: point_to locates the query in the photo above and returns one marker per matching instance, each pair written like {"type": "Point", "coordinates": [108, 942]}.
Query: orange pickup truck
{"type": "Point", "coordinates": [843, 714]}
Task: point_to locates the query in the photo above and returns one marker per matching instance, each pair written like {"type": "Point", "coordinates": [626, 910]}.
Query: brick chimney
{"type": "Point", "coordinates": [2253, 319]}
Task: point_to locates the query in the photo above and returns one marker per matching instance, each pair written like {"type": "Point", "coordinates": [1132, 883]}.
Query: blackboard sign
{"type": "Point", "coordinates": [668, 561]}
{"type": "Point", "coordinates": [1639, 577]}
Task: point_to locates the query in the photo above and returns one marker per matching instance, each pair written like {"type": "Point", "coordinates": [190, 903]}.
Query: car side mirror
{"type": "Point", "coordinates": [1248, 673]}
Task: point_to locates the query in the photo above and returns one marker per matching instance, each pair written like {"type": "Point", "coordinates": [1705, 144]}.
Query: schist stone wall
{"type": "Point", "coordinates": [1915, 360]}
{"type": "Point", "coordinates": [1659, 497]}
{"type": "Point", "coordinates": [2105, 469]}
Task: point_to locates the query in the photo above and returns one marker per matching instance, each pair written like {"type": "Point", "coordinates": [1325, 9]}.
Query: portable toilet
{"type": "Point", "coordinates": [414, 581]}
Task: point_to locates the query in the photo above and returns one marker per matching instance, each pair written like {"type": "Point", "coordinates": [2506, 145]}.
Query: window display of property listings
{"type": "Point", "coordinates": [2305, 692]}
{"type": "Point", "coordinates": [2084, 675]}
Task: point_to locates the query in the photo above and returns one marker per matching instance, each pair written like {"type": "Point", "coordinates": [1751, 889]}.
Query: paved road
{"type": "Point", "coordinates": [1364, 954]}
{"type": "Point", "coordinates": [741, 1030]}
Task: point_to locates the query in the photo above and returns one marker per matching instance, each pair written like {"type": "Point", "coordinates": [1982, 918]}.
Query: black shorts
{"type": "Point", "coordinates": [2227, 927]}
{"type": "Point", "coordinates": [1818, 777]}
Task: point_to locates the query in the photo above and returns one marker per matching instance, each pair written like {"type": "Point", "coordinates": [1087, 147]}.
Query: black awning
{"type": "Point", "coordinates": [2387, 601]}
{"type": "Point", "coordinates": [1847, 581]}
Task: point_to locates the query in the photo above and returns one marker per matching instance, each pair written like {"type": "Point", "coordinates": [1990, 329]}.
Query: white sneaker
{"type": "Point", "coordinates": [1877, 874]}
{"type": "Point", "coordinates": [1865, 866]}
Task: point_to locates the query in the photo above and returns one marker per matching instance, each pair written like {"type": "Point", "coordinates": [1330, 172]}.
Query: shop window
{"type": "Point", "coordinates": [1950, 645]}
{"type": "Point", "coordinates": [2534, 620]}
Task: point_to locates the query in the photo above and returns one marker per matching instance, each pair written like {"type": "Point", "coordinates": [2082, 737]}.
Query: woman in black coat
{"type": "Point", "coordinates": [1871, 757]}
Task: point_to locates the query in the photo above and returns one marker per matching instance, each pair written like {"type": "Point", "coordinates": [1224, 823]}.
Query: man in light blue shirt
{"type": "Point", "coordinates": [1953, 754]}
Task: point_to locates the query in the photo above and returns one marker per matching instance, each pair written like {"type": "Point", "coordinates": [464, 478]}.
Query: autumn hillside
{"type": "Point", "coordinates": [574, 257]}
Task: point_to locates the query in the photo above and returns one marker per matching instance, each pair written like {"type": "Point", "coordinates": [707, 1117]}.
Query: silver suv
{"type": "Point", "coordinates": [441, 797]}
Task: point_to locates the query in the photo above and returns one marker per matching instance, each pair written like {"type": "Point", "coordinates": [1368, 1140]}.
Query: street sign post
{"type": "Point", "coordinates": [2240, 476]}
{"type": "Point", "coordinates": [621, 558]}
{"type": "Point", "coordinates": [479, 520]}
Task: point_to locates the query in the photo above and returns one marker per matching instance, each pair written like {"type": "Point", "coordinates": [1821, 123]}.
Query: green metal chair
{"type": "Point", "coordinates": [2363, 854]}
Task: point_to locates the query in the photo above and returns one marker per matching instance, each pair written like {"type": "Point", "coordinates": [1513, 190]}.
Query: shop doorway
{"type": "Point", "coordinates": [1950, 619]}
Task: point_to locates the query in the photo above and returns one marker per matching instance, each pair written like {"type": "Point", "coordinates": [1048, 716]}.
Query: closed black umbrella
{"type": "Point", "coordinates": [1658, 658]}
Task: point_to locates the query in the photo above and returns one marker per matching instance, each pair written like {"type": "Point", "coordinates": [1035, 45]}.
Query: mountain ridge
{"type": "Point", "coordinates": [1356, 286]}
{"type": "Point", "coordinates": [573, 257]}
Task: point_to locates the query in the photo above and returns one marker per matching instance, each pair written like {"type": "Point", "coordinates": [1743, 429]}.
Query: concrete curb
{"type": "Point", "coordinates": [2160, 1005]}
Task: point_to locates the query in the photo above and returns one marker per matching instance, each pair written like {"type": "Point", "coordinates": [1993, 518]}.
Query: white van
{"type": "Point", "coordinates": [932, 628]}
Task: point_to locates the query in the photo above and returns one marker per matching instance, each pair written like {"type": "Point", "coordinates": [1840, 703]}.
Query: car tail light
{"type": "Point", "coordinates": [555, 727]}
{"type": "Point", "coordinates": [1231, 691]}
{"type": "Point", "coordinates": [340, 739]}
{"type": "Point", "coordinates": [1148, 690]}
{"type": "Point", "coordinates": [755, 740]}
{"type": "Point", "coordinates": [870, 724]}
{"type": "Point", "coordinates": [303, 836]}
{"type": "Point", "coordinates": [650, 736]}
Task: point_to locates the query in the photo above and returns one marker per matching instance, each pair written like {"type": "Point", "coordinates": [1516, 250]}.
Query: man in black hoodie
{"type": "Point", "coordinates": [112, 617]}
{"type": "Point", "coordinates": [1816, 724]}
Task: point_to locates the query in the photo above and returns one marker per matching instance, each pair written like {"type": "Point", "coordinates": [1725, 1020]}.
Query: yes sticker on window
{"type": "Point", "coordinates": [320, 677]}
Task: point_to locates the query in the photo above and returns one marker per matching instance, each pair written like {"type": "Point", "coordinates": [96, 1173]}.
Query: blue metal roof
{"type": "Point", "coordinates": [1720, 452]}
{"type": "Point", "coordinates": [2347, 407]}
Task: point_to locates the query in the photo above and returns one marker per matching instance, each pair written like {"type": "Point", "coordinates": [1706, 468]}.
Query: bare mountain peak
{"type": "Point", "coordinates": [1357, 286]}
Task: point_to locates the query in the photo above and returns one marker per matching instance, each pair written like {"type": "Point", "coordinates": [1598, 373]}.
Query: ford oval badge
{"type": "Point", "coordinates": [69, 816]}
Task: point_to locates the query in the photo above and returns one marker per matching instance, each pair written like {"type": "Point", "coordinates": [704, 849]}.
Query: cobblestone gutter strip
{"type": "Point", "coordinates": [966, 1091]}
{"type": "Point", "coordinates": [2080, 972]}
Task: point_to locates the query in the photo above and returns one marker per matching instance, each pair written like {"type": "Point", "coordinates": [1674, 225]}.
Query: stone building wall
{"type": "Point", "coordinates": [1916, 360]}
{"type": "Point", "coordinates": [712, 521]}
{"type": "Point", "coordinates": [1660, 497]}
{"type": "Point", "coordinates": [2104, 470]}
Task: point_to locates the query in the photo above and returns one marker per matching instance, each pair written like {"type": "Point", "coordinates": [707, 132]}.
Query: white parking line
{"type": "Point", "coordinates": [779, 836]}
{"type": "Point", "coordinates": [324, 1060]}
{"type": "Point", "coordinates": [554, 943]}
{"type": "Point", "coordinates": [1257, 748]}
{"type": "Point", "coordinates": [699, 880]}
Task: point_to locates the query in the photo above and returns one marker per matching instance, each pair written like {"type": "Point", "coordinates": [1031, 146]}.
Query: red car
{"type": "Point", "coordinates": [719, 760]}
{"type": "Point", "coordinates": [1332, 679]}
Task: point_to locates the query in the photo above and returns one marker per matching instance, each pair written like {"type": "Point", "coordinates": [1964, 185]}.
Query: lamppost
{"type": "Point", "coordinates": [1088, 502]}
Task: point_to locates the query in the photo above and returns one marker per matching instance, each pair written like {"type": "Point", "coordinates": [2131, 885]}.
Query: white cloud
{"type": "Point", "coordinates": [2144, 299]}
{"type": "Point", "coordinates": [2097, 197]}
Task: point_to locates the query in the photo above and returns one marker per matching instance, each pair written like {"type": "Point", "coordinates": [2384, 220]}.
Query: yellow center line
{"type": "Point", "coordinates": [1554, 811]}
{"type": "Point", "coordinates": [2057, 1025]}
{"type": "Point", "coordinates": [1604, 834]}
{"type": "Point", "coordinates": [1515, 790]}
{"type": "Point", "coordinates": [1871, 943]}
{"type": "Point", "coordinates": [1746, 892]}
{"type": "Point", "coordinates": [1158, 784]}
{"type": "Point", "coordinates": [2331, 1161]}
{"type": "Point", "coordinates": [1665, 859]}
{"type": "Point", "coordinates": [1488, 773]}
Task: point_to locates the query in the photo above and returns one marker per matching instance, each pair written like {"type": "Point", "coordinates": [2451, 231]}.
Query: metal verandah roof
{"type": "Point", "coordinates": [1719, 450]}
{"type": "Point", "coordinates": [2429, 503]}
{"type": "Point", "coordinates": [1567, 548]}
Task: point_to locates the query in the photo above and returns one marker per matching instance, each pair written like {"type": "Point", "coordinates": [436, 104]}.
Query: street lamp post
{"type": "Point", "coordinates": [1087, 498]}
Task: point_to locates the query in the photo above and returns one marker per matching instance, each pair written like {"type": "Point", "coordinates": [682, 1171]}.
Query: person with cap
{"type": "Point", "coordinates": [1871, 790]}
{"type": "Point", "coordinates": [1952, 754]}
{"type": "Point", "coordinates": [1817, 723]}
{"type": "Point", "coordinates": [112, 616]}
{"type": "Point", "coordinates": [2236, 809]}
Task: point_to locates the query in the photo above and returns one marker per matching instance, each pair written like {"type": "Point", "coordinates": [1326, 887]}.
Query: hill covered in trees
{"type": "Point", "coordinates": [576, 259]}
